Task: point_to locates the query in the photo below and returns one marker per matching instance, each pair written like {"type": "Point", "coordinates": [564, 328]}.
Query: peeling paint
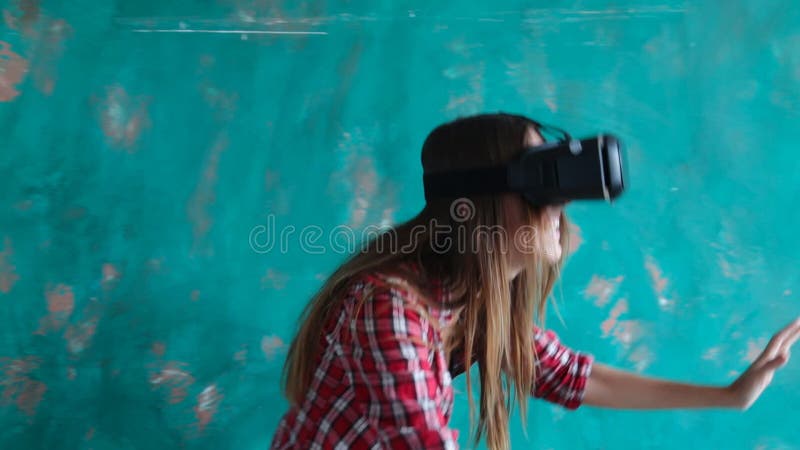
{"type": "Point", "coordinates": [207, 405]}
{"type": "Point", "coordinates": [198, 209]}
{"type": "Point", "coordinates": [621, 307]}
{"type": "Point", "coordinates": [19, 387]}
{"type": "Point", "coordinates": [602, 289]}
{"type": "Point", "coordinates": [123, 118]}
{"type": "Point", "coordinates": [79, 336]}
{"type": "Point", "coordinates": [576, 238]}
{"type": "Point", "coordinates": [158, 349]}
{"type": "Point", "coordinates": [628, 332]}
{"type": "Point", "coordinates": [641, 357]}
{"type": "Point", "coordinates": [712, 354]}
{"type": "Point", "coordinates": [8, 274]}
{"type": "Point", "coordinates": [111, 276]}
{"type": "Point", "coordinates": [13, 69]}
{"type": "Point", "coordinates": [656, 277]}
{"type": "Point", "coordinates": [174, 378]}
{"type": "Point", "coordinates": [270, 345]}
{"type": "Point", "coordinates": [273, 279]}
{"type": "Point", "coordinates": [754, 348]}
{"type": "Point", "coordinates": [60, 304]}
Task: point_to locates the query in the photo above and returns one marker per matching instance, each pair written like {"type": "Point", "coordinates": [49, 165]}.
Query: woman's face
{"type": "Point", "coordinates": [546, 236]}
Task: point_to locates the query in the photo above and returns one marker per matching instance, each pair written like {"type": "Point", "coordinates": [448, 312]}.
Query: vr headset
{"type": "Point", "coordinates": [548, 174]}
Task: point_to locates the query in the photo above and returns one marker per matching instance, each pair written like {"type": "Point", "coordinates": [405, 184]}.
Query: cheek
{"type": "Point", "coordinates": [550, 242]}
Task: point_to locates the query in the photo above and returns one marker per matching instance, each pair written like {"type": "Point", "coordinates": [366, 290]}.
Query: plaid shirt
{"type": "Point", "coordinates": [383, 382]}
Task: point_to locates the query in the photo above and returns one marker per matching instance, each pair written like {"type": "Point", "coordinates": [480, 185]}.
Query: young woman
{"type": "Point", "coordinates": [463, 282]}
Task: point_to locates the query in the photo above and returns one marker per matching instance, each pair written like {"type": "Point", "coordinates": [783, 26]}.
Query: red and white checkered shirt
{"type": "Point", "coordinates": [382, 380]}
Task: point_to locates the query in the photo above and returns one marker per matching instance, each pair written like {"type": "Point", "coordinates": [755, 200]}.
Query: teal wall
{"type": "Point", "coordinates": [135, 314]}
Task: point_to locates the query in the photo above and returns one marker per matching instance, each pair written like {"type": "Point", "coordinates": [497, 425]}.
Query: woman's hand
{"type": "Point", "coordinates": [749, 386]}
{"type": "Point", "coordinates": [613, 388]}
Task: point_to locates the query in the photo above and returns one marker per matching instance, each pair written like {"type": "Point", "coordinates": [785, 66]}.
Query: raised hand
{"type": "Point", "coordinates": [749, 386]}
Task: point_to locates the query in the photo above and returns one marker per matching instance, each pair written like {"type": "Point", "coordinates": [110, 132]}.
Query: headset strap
{"type": "Point", "coordinates": [485, 180]}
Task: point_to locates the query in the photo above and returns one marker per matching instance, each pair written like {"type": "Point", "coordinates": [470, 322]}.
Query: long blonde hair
{"type": "Point", "coordinates": [495, 320]}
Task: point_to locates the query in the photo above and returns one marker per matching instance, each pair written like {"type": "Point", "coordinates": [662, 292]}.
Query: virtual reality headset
{"type": "Point", "coordinates": [549, 174]}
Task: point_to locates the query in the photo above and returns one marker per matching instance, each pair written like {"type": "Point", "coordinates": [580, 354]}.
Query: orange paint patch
{"type": "Point", "coordinates": [602, 289]}
{"type": "Point", "coordinates": [366, 177]}
{"type": "Point", "coordinates": [8, 274]}
{"type": "Point", "coordinates": [223, 102]}
{"type": "Point", "coordinates": [13, 69]}
{"type": "Point", "coordinates": [25, 18]}
{"type": "Point", "coordinates": [173, 378]}
{"type": "Point", "coordinates": [207, 404]}
{"type": "Point", "coordinates": [48, 35]}
{"type": "Point", "coordinates": [204, 196]}
{"type": "Point", "coordinates": [712, 354]}
{"type": "Point", "coordinates": [195, 295]}
{"type": "Point", "coordinates": [656, 277]}
{"type": "Point", "coordinates": [60, 299]}
{"type": "Point", "coordinates": [576, 238]}
{"type": "Point", "coordinates": [273, 279]}
{"type": "Point", "coordinates": [628, 331]}
{"type": "Point", "coordinates": [366, 186]}
{"type": "Point", "coordinates": [123, 118]}
{"type": "Point", "coordinates": [30, 397]}
{"type": "Point", "coordinates": [241, 356]}
{"type": "Point", "coordinates": [730, 271]}
{"type": "Point", "coordinates": [60, 303]}
{"type": "Point", "coordinates": [358, 166]}
{"type": "Point", "coordinates": [619, 308]}
{"type": "Point", "coordinates": [551, 104]}
{"type": "Point", "coordinates": [270, 345]}
{"type": "Point", "coordinates": [387, 218]}
{"type": "Point", "coordinates": [158, 349]}
{"type": "Point", "coordinates": [754, 349]}
{"type": "Point", "coordinates": [110, 276]}
{"type": "Point", "coordinates": [79, 336]}
{"type": "Point", "coordinates": [110, 272]}
{"type": "Point", "coordinates": [641, 357]}
{"type": "Point", "coordinates": [359, 213]}
{"type": "Point", "coordinates": [56, 31]}
{"type": "Point", "coordinates": [18, 387]}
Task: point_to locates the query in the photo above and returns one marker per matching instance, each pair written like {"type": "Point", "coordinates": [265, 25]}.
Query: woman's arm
{"type": "Point", "coordinates": [613, 388]}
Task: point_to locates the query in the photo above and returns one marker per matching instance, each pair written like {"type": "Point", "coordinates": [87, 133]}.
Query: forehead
{"type": "Point", "coordinates": [532, 137]}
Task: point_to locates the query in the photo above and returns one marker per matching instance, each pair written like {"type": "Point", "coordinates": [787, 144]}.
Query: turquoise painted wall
{"type": "Point", "coordinates": [135, 314]}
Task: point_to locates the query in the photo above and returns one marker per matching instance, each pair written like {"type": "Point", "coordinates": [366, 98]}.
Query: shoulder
{"type": "Point", "coordinates": [387, 304]}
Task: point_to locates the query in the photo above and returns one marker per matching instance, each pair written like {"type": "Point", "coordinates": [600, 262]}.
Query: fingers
{"type": "Point", "coordinates": [776, 362]}
{"type": "Point", "coordinates": [790, 340]}
{"type": "Point", "coordinates": [787, 335]}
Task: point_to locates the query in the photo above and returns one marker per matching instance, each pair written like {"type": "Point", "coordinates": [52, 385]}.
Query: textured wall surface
{"type": "Point", "coordinates": [142, 141]}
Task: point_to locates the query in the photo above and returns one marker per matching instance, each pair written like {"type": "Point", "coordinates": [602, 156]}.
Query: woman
{"type": "Point", "coordinates": [372, 363]}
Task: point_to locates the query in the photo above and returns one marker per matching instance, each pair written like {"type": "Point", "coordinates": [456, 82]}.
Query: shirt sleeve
{"type": "Point", "coordinates": [396, 370]}
{"type": "Point", "coordinates": [561, 373]}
